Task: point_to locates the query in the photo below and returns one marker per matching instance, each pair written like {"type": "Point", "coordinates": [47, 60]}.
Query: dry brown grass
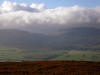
{"type": "Point", "coordinates": [50, 68]}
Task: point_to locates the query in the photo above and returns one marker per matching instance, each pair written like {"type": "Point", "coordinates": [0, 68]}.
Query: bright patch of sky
{"type": "Point", "coordinates": [58, 3]}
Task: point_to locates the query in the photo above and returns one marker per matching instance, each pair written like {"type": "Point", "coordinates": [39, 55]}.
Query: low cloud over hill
{"type": "Point", "coordinates": [39, 18]}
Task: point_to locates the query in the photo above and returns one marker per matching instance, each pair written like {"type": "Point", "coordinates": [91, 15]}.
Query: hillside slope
{"type": "Point", "coordinates": [76, 38]}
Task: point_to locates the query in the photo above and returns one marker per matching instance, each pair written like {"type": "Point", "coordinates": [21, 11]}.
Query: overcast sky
{"type": "Point", "coordinates": [47, 15]}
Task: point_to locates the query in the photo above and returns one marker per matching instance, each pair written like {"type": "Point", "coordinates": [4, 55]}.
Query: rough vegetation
{"type": "Point", "coordinates": [50, 68]}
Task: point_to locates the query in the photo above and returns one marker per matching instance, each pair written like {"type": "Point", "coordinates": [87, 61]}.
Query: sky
{"type": "Point", "coordinates": [57, 3]}
{"type": "Point", "coordinates": [46, 16]}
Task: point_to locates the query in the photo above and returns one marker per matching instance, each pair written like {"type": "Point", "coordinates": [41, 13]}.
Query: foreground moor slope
{"type": "Point", "coordinates": [50, 68]}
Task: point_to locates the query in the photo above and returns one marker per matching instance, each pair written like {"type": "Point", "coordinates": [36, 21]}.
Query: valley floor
{"type": "Point", "coordinates": [16, 54]}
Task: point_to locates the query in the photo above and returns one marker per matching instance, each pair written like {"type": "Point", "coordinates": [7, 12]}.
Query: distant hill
{"type": "Point", "coordinates": [22, 39]}
{"type": "Point", "coordinates": [78, 38]}
{"type": "Point", "coordinates": [75, 38]}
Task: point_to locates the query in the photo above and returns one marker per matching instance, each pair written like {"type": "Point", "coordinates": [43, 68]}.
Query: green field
{"type": "Point", "coordinates": [10, 54]}
{"type": "Point", "coordinates": [80, 55]}
{"type": "Point", "coordinates": [15, 54]}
